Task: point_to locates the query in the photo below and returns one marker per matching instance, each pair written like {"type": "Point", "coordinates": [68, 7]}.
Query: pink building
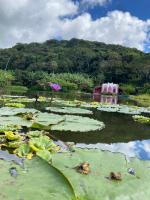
{"type": "Point", "coordinates": [107, 88]}
{"type": "Point", "coordinates": [110, 88]}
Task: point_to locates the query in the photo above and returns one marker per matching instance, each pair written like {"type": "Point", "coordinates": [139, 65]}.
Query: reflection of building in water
{"type": "Point", "coordinates": [106, 99]}
{"type": "Point", "coordinates": [109, 99]}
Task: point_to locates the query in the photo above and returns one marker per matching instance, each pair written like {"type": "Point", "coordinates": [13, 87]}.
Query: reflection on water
{"type": "Point", "coordinates": [110, 99]}
{"type": "Point", "coordinates": [139, 149]}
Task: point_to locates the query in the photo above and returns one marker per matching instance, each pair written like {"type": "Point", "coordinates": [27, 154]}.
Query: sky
{"type": "Point", "coordinates": [123, 22]}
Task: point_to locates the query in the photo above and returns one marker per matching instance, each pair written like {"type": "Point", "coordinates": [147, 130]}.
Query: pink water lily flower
{"type": "Point", "coordinates": [55, 86]}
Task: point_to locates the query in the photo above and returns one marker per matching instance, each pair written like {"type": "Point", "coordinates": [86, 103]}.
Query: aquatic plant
{"type": "Point", "coordinates": [143, 99]}
{"type": "Point", "coordinates": [16, 105]}
{"type": "Point", "coordinates": [48, 121]}
{"type": "Point", "coordinates": [55, 86]}
{"type": "Point", "coordinates": [141, 119]}
{"type": "Point", "coordinates": [28, 144]}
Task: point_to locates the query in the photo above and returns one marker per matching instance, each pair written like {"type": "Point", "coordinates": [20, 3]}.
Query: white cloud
{"type": "Point", "coordinates": [116, 28]}
{"type": "Point", "coordinates": [94, 2]}
{"type": "Point", "coordinates": [39, 20]}
{"type": "Point", "coordinates": [32, 20]}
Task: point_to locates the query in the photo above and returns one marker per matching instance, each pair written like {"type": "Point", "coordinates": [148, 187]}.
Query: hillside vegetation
{"type": "Point", "coordinates": [94, 61]}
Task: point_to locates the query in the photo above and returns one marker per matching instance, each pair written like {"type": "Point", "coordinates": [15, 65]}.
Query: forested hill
{"type": "Point", "coordinates": [111, 63]}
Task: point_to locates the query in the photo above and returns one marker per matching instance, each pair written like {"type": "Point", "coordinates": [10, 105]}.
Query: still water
{"type": "Point", "coordinates": [121, 133]}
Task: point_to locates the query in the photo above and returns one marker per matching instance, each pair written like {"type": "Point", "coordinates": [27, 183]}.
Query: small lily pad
{"type": "Point", "coordinates": [141, 119]}
{"type": "Point", "coordinates": [69, 110]}
{"type": "Point", "coordinates": [15, 105]}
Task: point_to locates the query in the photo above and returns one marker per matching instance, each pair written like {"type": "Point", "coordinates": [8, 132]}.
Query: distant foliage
{"type": "Point", "coordinates": [103, 63]}
{"type": "Point", "coordinates": [128, 88]}
{"type": "Point", "coordinates": [67, 81]}
{"type": "Point", "coordinates": [70, 81]}
{"type": "Point", "coordinates": [6, 77]}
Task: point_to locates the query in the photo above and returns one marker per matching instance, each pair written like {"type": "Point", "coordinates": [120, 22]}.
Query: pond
{"type": "Point", "coordinates": [121, 133]}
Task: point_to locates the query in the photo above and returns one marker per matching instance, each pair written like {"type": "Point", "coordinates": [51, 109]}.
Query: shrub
{"type": "Point", "coordinates": [128, 89]}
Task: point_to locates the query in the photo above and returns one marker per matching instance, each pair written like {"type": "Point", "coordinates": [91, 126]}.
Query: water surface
{"type": "Point", "coordinates": [121, 133]}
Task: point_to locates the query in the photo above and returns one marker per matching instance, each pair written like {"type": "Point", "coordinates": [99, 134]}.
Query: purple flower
{"type": "Point", "coordinates": [55, 86]}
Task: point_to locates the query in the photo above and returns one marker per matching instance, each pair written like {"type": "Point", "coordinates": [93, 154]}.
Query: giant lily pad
{"type": "Point", "coordinates": [8, 111]}
{"type": "Point", "coordinates": [129, 110]}
{"type": "Point", "coordinates": [61, 180]}
{"type": "Point", "coordinates": [45, 120]}
{"type": "Point", "coordinates": [69, 110]}
{"type": "Point", "coordinates": [121, 109]}
{"type": "Point", "coordinates": [78, 124]}
{"type": "Point", "coordinates": [11, 121]}
{"type": "Point", "coordinates": [37, 180]}
{"type": "Point", "coordinates": [97, 185]}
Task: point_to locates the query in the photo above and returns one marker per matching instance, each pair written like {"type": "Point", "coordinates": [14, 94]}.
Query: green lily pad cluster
{"type": "Point", "coordinates": [76, 103]}
{"type": "Point", "coordinates": [141, 119]}
{"type": "Point", "coordinates": [27, 145]}
{"type": "Point", "coordinates": [22, 99]}
{"type": "Point", "coordinates": [133, 110]}
{"type": "Point", "coordinates": [9, 128]}
{"type": "Point", "coordinates": [125, 109]}
{"type": "Point", "coordinates": [32, 118]}
{"type": "Point", "coordinates": [16, 105]}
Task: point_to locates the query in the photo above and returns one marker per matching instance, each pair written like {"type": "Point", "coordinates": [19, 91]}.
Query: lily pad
{"type": "Point", "coordinates": [14, 121]}
{"type": "Point", "coordinates": [141, 119]}
{"type": "Point", "coordinates": [23, 100]}
{"type": "Point", "coordinates": [45, 120]}
{"type": "Point", "coordinates": [32, 134]}
{"type": "Point", "coordinates": [78, 124]}
{"type": "Point", "coordinates": [37, 180]}
{"type": "Point", "coordinates": [121, 109]}
{"type": "Point", "coordinates": [109, 108]}
{"type": "Point", "coordinates": [129, 110]}
{"type": "Point", "coordinates": [69, 110]}
{"type": "Point", "coordinates": [4, 128]}
{"type": "Point", "coordinates": [8, 111]}
{"type": "Point", "coordinates": [15, 105]}
{"type": "Point", "coordinates": [108, 177]}
{"type": "Point", "coordinates": [145, 110]}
